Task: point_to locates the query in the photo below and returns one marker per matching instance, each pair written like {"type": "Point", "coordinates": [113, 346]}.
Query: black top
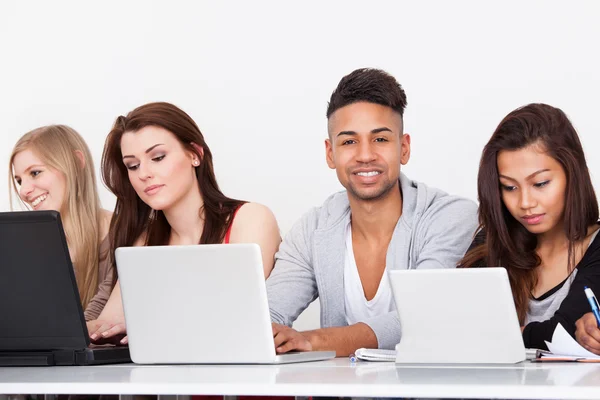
{"type": "Point", "coordinates": [572, 307]}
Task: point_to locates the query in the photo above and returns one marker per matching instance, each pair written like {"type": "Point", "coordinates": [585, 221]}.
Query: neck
{"type": "Point", "coordinates": [553, 240]}
{"type": "Point", "coordinates": [186, 219]}
{"type": "Point", "coordinates": [376, 219]}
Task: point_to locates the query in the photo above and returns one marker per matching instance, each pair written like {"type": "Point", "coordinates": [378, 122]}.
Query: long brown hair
{"type": "Point", "coordinates": [57, 146]}
{"type": "Point", "coordinates": [132, 217]}
{"type": "Point", "coordinates": [508, 243]}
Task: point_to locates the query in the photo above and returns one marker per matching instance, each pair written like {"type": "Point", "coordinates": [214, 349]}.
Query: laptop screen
{"type": "Point", "coordinates": [40, 307]}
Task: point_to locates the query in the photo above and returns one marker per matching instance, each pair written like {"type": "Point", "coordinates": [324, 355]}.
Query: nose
{"type": "Point", "coordinates": [144, 171]}
{"type": "Point", "coordinates": [26, 189]}
{"type": "Point", "coordinates": [527, 200]}
{"type": "Point", "coordinates": [365, 152]}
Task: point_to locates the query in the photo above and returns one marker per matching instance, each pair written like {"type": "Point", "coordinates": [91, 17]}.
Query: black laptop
{"type": "Point", "coordinates": [41, 318]}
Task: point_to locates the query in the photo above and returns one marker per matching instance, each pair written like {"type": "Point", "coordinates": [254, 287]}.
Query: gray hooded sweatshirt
{"type": "Point", "coordinates": [434, 231]}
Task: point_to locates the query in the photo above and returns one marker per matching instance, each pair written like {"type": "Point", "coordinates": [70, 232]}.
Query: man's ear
{"type": "Point", "coordinates": [405, 149]}
{"type": "Point", "coordinates": [81, 157]}
{"type": "Point", "coordinates": [329, 154]}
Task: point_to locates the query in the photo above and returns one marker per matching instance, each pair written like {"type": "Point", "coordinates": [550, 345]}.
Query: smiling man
{"type": "Point", "coordinates": [340, 252]}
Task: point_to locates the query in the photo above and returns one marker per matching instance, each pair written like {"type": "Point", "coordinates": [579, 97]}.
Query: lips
{"type": "Point", "coordinates": [533, 219]}
{"type": "Point", "coordinates": [150, 190]}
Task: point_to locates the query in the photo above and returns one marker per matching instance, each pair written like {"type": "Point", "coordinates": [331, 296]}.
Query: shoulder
{"type": "Point", "coordinates": [253, 213]}
{"type": "Point", "coordinates": [251, 216]}
{"type": "Point", "coordinates": [591, 258]}
{"type": "Point", "coordinates": [447, 211]}
{"type": "Point", "coordinates": [104, 223]}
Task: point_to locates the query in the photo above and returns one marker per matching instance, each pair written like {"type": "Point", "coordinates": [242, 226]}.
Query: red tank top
{"type": "Point", "coordinates": [230, 226]}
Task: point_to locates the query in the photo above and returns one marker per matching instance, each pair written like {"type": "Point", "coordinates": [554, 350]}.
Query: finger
{"type": "Point", "coordinates": [297, 343]}
{"type": "Point", "coordinates": [589, 342]}
{"type": "Point", "coordinates": [591, 349]}
{"type": "Point", "coordinates": [591, 328]}
{"type": "Point", "coordinates": [280, 338]}
{"type": "Point", "coordinates": [102, 328]}
{"type": "Point", "coordinates": [118, 329]}
{"type": "Point", "coordinates": [125, 340]}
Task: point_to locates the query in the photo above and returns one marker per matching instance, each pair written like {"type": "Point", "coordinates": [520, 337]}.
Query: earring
{"type": "Point", "coordinates": [196, 163]}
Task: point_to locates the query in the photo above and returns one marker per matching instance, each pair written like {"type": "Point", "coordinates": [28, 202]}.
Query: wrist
{"type": "Point", "coordinates": [314, 338]}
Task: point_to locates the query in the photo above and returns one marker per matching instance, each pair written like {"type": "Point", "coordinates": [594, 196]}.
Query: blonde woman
{"type": "Point", "coordinates": [51, 168]}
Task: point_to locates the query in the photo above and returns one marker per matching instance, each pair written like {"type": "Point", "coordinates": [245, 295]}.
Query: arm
{"type": "Point", "coordinates": [255, 223]}
{"type": "Point", "coordinates": [344, 340]}
{"type": "Point", "coordinates": [292, 286]}
{"type": "Point", "coordinates": [111, 322]}
{"type": "Point", "coordinates": [572, 308]}
{"type": "Point", "coordinates": [98, 302]}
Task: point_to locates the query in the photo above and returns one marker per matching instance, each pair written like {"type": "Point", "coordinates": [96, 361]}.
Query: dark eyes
{"type": "Point", "coordinates": [352, 141]}
{"type": "Point", "coordinates": [133, 167]}
{"type": "Point", "coordinates": [538, 185]}
{"type": "Point", "coordinates": [33, 174]}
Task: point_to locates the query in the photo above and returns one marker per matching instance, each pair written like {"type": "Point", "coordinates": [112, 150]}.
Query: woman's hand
{"type": "Point", "coordinates": [103, 331]}
{"type": "Point", "coordinates": [587, 333]}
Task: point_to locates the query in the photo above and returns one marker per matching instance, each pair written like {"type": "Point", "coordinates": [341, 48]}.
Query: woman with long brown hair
{"type": "Point", "coordinates": [538, 218]}
{"type": "Point", "coordinates": [158, 165]}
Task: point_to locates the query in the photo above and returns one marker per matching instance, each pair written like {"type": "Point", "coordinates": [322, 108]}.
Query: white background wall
{"type": "Point", "coordinates": [256, 76]}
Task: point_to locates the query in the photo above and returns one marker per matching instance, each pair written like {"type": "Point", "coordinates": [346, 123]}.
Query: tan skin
{"type": "Point", "coordinates": [533, 188]}
{"type": "Point", "coordinates": [155, 158]}
{"type": "Point", "coordinates": [363, 138]}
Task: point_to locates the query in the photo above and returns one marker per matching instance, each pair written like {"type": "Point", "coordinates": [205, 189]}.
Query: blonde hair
{"type": "Point", "coordinates": [57, 146]}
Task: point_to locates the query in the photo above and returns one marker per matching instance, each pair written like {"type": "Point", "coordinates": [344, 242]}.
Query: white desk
{"type": "Point", "coordinates": [336, 377]}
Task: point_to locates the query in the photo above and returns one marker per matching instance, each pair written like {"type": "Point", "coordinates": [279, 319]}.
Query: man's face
{"type": "Point", "coordinates": [366, 147]}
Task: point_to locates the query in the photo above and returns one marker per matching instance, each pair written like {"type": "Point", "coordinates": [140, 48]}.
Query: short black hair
{"type": "Point", "coordinates": [370, 85]}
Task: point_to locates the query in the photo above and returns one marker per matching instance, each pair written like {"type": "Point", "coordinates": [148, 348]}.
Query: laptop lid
{"type": "Point", "coordinates": [195, 304]}
{"type": "Point", "coordinates": [39, 300]}
{"type": "Point", "coordinates": [456, 316]}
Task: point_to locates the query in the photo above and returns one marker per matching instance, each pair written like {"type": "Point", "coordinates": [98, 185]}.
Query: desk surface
{"type": "Point", "coordinates": [337, 377]}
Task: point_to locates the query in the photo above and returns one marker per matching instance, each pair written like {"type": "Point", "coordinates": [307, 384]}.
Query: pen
{"type": "Point", "coordinates": [593, 303]}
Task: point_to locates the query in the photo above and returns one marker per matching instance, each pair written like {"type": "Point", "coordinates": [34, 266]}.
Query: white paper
{"type": "Point", "coordinates": [563, 344]}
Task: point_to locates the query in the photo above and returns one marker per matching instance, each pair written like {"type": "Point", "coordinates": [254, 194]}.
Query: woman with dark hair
{"type": "Point", "coordinates": [538, 216]}
{"type": "Point", "coordinates": [159, 167]}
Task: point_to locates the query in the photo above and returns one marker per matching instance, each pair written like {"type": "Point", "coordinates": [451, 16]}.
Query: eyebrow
{"type": "Point", "coordinates": [148, 150]}
{"type": "Point", "coordinates": [527, 177]}
{"type": "Point", "coordinates": [373, 132]}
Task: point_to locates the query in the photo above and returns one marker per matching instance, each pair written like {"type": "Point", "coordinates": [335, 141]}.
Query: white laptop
{"type": "Point", "coordinates": [202, 304]}
{"type": "Point", "coordinates": [456, 316]}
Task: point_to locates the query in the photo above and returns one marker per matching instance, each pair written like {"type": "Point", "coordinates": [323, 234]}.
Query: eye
{"type": "Point", "coordinates": [349, 141]}
{"type": "Point", "coordinates": [35, 173]}
{"type": "Point", "coordinates": [541, 184]}
{"type": "Point", "coordinates": [18, 180]}
{"type": "Point", "coordinates": [159, 158]}
{"type": "Point", "coordinates": [381, 140]}
{"type": "Point", "coordinates": [132, 167]}
{"type": "Point", "coordinates": [508, 188]}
